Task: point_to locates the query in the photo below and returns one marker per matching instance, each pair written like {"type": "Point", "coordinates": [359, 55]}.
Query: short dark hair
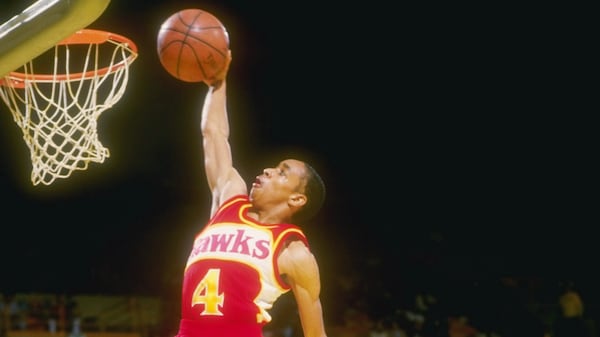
{"type": "Point", "coordinates": [314, 190]}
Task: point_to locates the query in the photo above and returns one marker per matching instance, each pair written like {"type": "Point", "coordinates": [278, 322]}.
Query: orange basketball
{"type": "Point", "coordinates": [193, 45]}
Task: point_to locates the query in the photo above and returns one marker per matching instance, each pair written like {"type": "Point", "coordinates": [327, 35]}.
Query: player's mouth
{"type": "Point", "coordinates": [257, 182]}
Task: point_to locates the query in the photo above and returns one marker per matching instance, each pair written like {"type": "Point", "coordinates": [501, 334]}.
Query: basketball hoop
{"type": "Point", "coordinates": [57, 103]}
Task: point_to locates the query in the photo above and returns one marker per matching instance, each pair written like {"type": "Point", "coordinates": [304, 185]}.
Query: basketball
{"type": "Point", "coordinates": [193, 45]}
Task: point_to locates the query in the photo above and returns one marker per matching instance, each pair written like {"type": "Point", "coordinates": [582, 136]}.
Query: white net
{"type": "Point", "coordinates": [58, 113]}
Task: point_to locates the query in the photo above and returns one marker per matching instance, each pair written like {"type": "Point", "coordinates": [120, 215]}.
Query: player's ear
{"type": "Point", "coordinates": [297, 200]}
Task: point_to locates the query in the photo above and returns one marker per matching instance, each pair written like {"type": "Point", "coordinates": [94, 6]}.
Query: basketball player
{"type": "Point", "coordinates": [249, 253]}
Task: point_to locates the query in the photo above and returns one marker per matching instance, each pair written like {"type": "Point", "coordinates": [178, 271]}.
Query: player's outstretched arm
{"type": "Point", "coordinates": [224, 181]}
{"type": "Point", "coordinates": [302, 273]}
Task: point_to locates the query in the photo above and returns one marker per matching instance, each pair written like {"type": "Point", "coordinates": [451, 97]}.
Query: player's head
{"type": "Point", "coordinates": [292, 184]}
{"type": "Point", "coordinates": [314, 189]}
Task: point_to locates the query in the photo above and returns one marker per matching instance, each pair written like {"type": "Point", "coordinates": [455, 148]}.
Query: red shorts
{"type": "Point", "coordinates": [188, 328]}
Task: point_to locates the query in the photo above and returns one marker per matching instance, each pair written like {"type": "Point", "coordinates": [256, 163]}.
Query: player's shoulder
{"type": "Point", "coordinates": [235, 200]}
{"type": "Point", "coordinates": [299, 265]}
{"type": "Point", "coordinates": [298, 251]}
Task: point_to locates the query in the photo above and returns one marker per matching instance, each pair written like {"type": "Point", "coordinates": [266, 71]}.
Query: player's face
{"type": "Point", "coordinates": [278, 183]}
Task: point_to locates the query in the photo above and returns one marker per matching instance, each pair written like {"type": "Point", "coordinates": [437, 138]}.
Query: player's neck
{"type": "Point", "coordinates": [268, 218]}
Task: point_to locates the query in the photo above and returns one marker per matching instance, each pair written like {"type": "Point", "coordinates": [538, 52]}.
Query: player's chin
{"type": "Point", "coordinates": [254, 190]}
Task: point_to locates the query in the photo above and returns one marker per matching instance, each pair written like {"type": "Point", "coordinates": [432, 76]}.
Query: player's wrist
{"type": "Point", "coordinates": [215, 85]}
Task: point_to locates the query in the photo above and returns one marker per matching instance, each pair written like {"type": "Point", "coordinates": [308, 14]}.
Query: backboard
{"type": "Point", "coordinates": [42, 25]}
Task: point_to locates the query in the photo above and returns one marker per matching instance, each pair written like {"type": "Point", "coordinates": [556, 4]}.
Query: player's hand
{"type": "Point", "coordinates": [215, 81]}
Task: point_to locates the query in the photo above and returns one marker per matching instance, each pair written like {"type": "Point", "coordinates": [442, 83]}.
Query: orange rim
{"type": "Point", "coordinates": [83, 36]}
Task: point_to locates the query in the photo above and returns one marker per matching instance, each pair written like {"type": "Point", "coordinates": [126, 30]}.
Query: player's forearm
{"type": "Point", "coordinates": [314, 331]}
{"type": "Point", "coordinates": [214, 112]}
{"type": "Point", "coordinates": [215, 132]}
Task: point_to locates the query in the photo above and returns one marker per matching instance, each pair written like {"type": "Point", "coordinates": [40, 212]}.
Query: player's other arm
{"type": "Point", "coordinates": [301, 271]}
{"type": "Point", "coordinates": [223, 179]}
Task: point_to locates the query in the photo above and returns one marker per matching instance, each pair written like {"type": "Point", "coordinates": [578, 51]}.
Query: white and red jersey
{"type": "Point", "coordinates": [231, 279]}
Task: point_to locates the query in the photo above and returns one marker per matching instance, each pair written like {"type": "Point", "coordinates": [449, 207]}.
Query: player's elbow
{"type": "Point", "coordinates": [315, 331]}
{"type": "Point", "coordinates": [214, 133]}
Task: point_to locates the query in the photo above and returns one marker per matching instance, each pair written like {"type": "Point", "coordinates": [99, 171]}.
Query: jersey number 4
{"type": "Point", "coordinates": [207, 293]}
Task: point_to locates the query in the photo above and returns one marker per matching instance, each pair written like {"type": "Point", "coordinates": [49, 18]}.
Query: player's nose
{"type": "Point", "coordinates": [267, 172]}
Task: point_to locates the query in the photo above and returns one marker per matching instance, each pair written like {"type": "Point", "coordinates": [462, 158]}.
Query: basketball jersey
{"type": "Point", "coordinates": [231, 278]}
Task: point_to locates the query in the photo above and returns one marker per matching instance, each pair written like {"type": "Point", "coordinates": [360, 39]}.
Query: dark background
{"type": "Point", "coordinates": [446, 159]}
